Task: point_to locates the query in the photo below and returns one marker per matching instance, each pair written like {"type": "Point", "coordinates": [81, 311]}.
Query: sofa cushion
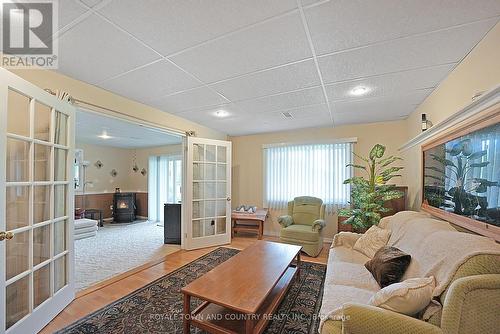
{"type": "Point", "coordinates": [388, 265]}
{"type": "Point", "coordinates": [370, 242]}
{"type": "Point", "coordinates": [346, 254]}
{"type": "Point", "coordinates": [408, 297]}
{"type": "Point", "coordinates": [350, 274]}
{"type": "Point", "coordinates": [306, 210]}
{"type": "Point", "coordinates": [300, 232]}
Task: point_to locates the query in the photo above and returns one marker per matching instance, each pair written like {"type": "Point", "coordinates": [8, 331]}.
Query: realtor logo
{"type": "Point", "coordinates": [27, 33]}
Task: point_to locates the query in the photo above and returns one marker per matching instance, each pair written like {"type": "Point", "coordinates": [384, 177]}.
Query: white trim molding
{"type": "Point", "coordinates": [312, 142]}
{"type": "Point", "coordinates": [487, 100]}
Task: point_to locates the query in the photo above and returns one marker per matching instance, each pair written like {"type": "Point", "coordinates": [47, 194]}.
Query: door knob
{"type": "Point", "coordinates": [6, 235]}
{"type": "Point", "coordinates": [228, 199]}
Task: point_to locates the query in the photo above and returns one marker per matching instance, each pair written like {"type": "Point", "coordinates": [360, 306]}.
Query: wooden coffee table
{"type": "Point", "coordinates": [240, 295]}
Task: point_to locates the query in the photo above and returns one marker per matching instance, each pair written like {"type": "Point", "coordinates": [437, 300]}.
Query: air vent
{"type": "Point", "coordinates": [287, 114]}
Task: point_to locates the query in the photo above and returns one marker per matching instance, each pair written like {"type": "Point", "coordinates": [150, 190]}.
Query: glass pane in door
{"type": "Point", "coordinates": [60, 164]}
{"type": "Point", "coordinates": [42, 162]}
{"type": "Point", "coordinates": [17, 254]}
{"type": "Point", "coordinates": [41, 204]}
{"type": "Point", "coordinates": [61, 129]}
{"type": "Point", "coordinates": [41, 244]}
{"type": "Point", "coordinates": [42, 121]}
{"type": "Point", "coordinates": [17, 298]}
{"type": "Point", "coordinates": [59, 200]}
{"type": "Point", "coordinates": [18, 114]}
{"type": "Point", "coordinates": [17, 160]}
{"type": "Point", "coordinates": [17, 207]}
{"type": "Point", "coordinates": [41, 285]}
{"type": "Point", "coordinates": [60, 234]}
{"type": "Point", "coordinates": [60, 273]}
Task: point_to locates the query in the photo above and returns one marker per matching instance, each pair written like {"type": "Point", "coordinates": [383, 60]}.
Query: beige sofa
{"type": "Point", "coordinates": [466, 268]}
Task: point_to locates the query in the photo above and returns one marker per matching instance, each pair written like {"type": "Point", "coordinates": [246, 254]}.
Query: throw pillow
{"type": "Point", "coordinates": [408, 297]}
{"type": "Point", "coordinates": [373, 239]}
{"type": "Point", "coordinates": [388, 265]}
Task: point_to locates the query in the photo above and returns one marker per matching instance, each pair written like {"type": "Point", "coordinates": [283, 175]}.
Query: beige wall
{"type": "Point", "coordinates": [123, 161]}
{"type": "Point", "coordinates": [81, 90]}
{"type": "Point", "coordinates": [247, 168]}
{"type": "Point", "coordinates": [479, 71]}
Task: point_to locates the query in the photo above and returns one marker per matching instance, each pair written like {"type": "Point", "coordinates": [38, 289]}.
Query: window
{"type": "Point", "coordinates": [164, 184]}
{"type": "Point", "coordinates": [317, 170]}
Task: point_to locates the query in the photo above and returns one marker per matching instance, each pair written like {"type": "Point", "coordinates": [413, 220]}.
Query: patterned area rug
{"type": "Point", "coordinates": [157, 307]}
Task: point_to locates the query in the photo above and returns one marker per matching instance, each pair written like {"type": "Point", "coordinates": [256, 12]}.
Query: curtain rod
{"type": "Point", "coordinates": [92, 107]}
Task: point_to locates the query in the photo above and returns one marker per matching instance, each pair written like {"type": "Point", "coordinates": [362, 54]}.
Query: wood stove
{"type": "Point", "coordinates": [124, 207]}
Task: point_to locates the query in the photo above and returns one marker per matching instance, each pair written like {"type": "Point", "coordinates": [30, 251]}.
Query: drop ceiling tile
{"type": "Point", "coordinates": [170, 26]}
{"type": "Point", "coordinates": [279, 80]}
{"type": "Point", "coordinates": [266, 45]}
{"type": "Point", "coordinates": [208, 115]}
{"type": "Point", "coordinates": [447, 46]}
{"type": "Point", "coordinates": [151, 82]}
{"type": "Point", "coordinates": [390, 84]}
{"type": "Point", "coordinates": [317, 111]}
{"type": "Point", "coordinates": [195, 99]}
{"type": "Point", "coordinates": [92, 3]}
{"type": "Point", "coordinates": [69, 11]}
{"type": "Point", "coordinates": [342, 24]}
{"type": "Point", "coordinates": [294, 99]}
{"type": "Point", "coordinates": [94, 50]}
{"type": "Point", "coordinates": [378, 108]}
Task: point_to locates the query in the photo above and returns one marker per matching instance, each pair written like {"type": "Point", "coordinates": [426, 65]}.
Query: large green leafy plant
{"type": "Point", "coordinates": [370, 192]}
{"type": "Point", "coordinates": [464, 194]}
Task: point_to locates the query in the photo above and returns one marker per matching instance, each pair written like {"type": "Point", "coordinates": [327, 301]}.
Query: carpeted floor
{"type": "Point", "coordinates": [157, 307]}
{"type": "Point", "coordinates": [116, 249]}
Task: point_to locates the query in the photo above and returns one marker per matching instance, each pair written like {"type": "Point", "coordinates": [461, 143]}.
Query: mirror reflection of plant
{"type": "Point", "coordinates": [368, 195]}
{"type": "Point", "coordinates": [463, 187]}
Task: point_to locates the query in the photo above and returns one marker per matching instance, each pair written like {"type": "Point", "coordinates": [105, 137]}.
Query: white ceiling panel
{"type": "Point", "coordinates": [69, 10]}
{"type": "Point", "coordinates": [380, 107]}
{"type": "Point", "coordinates": [93, 3]}
{"type": "Point", "coordinates": [294, 99]}
{"type": "Point", "coordinates": [282, 79]}
{"type": "Point", "coordinates": [342, 24]}
{"type": "Point", "coordinates": [94, 50]}
{"type": "Point", "coordinates": [392, 84]}
{"type": "Point", "coordinates": [198, 98]}
{"type": "Point", "coordinates": [151, 82]}
{"type": "Point", "coordinates": [370, 117]}
{"type": "Point", "coordinates": [316, 111]}
{"type": "Point", "coordinates": [170, 26]}
{"type": "Point", "coordinates": [269, 44]}
{"type": "Point", "coordinates": [446, 46]}
{"type": "Point", "coordinates": [90, 126]}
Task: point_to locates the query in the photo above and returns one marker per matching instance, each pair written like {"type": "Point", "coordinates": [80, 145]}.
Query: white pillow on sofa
{"type": "Point", "coordinates": [373, 239]}
{"type": "Point", "coordinates": [408, 297]}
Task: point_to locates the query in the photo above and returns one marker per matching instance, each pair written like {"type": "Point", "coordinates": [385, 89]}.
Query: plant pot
{"type": "Point", "coordinates": [346, 227]}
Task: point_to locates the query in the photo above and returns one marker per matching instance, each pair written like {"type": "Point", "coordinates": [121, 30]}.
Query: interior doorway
{"type": "Point", "coordinates": [125, 175]}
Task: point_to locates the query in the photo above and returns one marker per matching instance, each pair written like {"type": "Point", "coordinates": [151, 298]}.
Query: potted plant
{"type": "Point", "coordinates": [369, 193]}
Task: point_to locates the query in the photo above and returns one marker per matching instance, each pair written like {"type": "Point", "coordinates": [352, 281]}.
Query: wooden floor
{"type": "Point", "coordinates": [107, 292]}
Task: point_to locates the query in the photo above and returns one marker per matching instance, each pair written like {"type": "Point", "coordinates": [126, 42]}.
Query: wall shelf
{"type": "Point", "coordinates": [487, 100]}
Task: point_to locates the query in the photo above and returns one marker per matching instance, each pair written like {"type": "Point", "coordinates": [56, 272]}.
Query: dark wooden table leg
{"type": "Point", "coordinates": [261, 229]}
{"type": "Point", "coordinates": [187, 313]}
{"type": "Point", "coordinates": [298, 264]}
{"type": "Point", "coordinates": [233, 222]}
{"type": "Point", "coordinates": [249, 324]}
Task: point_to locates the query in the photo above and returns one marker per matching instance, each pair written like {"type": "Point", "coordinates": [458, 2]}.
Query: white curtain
{"type": "Point", "coordinates": [164, 184]}
{"type": "Point", "coordinates": [317, 170]}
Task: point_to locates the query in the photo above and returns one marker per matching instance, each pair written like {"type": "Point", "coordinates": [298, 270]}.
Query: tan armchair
{"type": "Point", "coordinates": [302, 226]}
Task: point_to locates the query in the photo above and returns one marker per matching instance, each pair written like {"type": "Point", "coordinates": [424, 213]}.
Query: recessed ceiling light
{"type": "Point", "coordinates": [360, 90]}
{"type": "Point", "coordinates": [104, 135]}
{"type": "Point", "coordinates": [221, 113]}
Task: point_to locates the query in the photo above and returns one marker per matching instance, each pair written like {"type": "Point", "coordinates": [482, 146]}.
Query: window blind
{"type": "Point", "coordinates": [317, 170]}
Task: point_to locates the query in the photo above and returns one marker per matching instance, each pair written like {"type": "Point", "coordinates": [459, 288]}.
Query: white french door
{"type": "Point", "coordinates": [36, 205]}
{"type": "Point", "coordinates": [208, 193]}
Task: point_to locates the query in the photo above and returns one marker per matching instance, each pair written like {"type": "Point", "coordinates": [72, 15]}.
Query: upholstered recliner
{"type": "Point", "coordinates": [303, 224]}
